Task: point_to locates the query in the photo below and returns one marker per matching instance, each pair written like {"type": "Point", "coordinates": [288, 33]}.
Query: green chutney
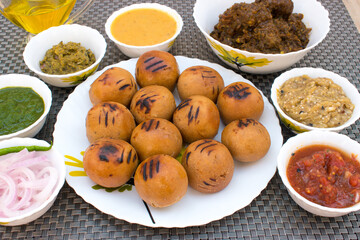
{"type": "Point", "coordinates": [19, 108]}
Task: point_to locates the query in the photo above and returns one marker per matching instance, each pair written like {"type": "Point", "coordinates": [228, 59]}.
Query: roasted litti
{"type": "Point", "coordinates": [247, 139]}
{"type": "Point", "coordinates": [152, 102]}
{"type": "Point", "coordinates": [197, 117]}
{"type": "Point", "coordinates": [109, 120]}
{"type": "Point", "coordinates": [156, 136]}
{"type": "Point", "coordinates": [160, 181]}
{"type": "Point", "coordinates": [200, 80]}
{"type": "Point", "coordinates": [110, 162]}
{"type": "Point", "coordinates": [240, 100]}
{"type": "Point", "coordinates": [209, 165]}
{"type": "Point", "coordinates": [114, 85]}
{"type": "Point", "coordinates": [157, 68]}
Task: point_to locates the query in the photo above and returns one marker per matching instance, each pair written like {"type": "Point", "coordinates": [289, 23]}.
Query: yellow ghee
{"type": "Point", "coordinates": [143, 27]}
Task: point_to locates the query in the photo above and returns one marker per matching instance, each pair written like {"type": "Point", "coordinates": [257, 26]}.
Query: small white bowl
{"type": "Point", "coordinates": [136, 51]}
{"type": "Point", "coordinates": [332, 139]}
{"type": "Point", "coordinates": [38, 45]}
{"type": "Point", "coordinates": [206, 17]}
{"type": "Point", "coordinates": [20, 80]}
{"type": "Point", "coordinates": [57, 161]}
{"type": "Point", "coordinates": [297, 127]}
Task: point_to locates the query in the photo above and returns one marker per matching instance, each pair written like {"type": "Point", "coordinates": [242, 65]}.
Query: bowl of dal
{"type": "Point", "coordinates": [143, 27]}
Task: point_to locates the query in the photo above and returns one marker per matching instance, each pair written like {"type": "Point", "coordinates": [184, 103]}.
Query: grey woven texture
{"type": "Point", "coordinates": [272, 215]}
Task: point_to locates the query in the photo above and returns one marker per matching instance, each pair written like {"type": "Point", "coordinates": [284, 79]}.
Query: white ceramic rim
{"type": "Point", "coordinates": [344, 83]}
{"type": "Point", "coordinates": [288, 148]}
{"type": "Point", "coordinates": [61, 177]}
{"type": "Point", "coordinates": [54, 30]}
{"type": "Point", "coordinates": [17, 80]}
{"type": "Point", "coordinates": [166, 9]}
{"type": "Point", "coordinates": [261, 55]}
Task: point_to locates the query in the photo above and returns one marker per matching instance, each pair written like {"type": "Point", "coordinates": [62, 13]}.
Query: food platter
{"type": "Point", "coordinates": [124, 203]}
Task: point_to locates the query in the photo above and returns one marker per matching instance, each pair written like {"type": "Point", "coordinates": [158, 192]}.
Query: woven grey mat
{"type": "Point", "coordinates": [272, 215]}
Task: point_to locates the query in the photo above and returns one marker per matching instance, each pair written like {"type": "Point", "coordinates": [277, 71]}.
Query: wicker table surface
{"type": "Point", "coordinates": [272, 215]}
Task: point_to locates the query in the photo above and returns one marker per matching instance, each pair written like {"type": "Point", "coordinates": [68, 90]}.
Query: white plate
{"type": "Point", "coordinates": [195, 208]}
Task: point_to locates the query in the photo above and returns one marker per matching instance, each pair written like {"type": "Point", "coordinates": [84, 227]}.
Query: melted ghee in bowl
{"type": "Point", "coordinates": [143, 27]}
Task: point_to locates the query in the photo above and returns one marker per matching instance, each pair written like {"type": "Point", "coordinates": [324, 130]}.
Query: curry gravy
{"type": "Point", "coordinates": [143, 27]}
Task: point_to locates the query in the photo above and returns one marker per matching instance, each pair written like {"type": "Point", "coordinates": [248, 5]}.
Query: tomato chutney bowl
{"type": "Point", "coordinates": [321, 171]}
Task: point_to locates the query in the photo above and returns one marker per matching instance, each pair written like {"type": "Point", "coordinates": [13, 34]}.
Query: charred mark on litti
{"type": "Point", "coordinates": [204, 142]}
{"type": "Point", "coordinates": [129, 156]}
{"type": "Point", "coordinates": [119, 81]}
{"type": "Point", "coordinates": [210, 145]}
{"type": "Point", "coordinates": [156, 66]}
{"type": "Point", "coordinates": [103, 158]}
{"type": "Point", "coordinates": [146, 102]}
{"type": "Point", "coordinates": [105, 151]}
{"type": "Point", "coordinates": [209, 75]}
{"type": "Point", "coordinates": [121, 158]}
{"type": "Point", "coordinates": [113, 107]}
{"type": "Point", "coordinates": [125, 86]}
{"type": "Point", "coordinates": [104, 78]}
{"type": "Point", "coordinates": [158, 166]}
{"type": "Point", "coordinates": [243, 123]}
{"type": "Point", "coordinates": [192, 116]}
{"type": "Point", "coordinates": [238, 92]}
{"type": "Point", "coordinates": [197, 112]}
{"type": "Point", "coordinates": [184, 104]}
{"type": "Point", "coordinates": [149, 59]}
{"type": "Point", "coordinates": [148, 128]}
{"type": "Point", "coordinates": [207, 184]}
{"type": "Point", "coordinates": [154, 161]}
{"type": "Point", "coordinates": [151, 168]}
{"type": "Point", "coordinates": [106, 118]}
{"type": "Point", "coordinates": [187, 157]}
{"type": "Point", "coordinates": [144, 172]}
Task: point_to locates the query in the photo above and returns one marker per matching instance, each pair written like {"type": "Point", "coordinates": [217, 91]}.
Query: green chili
{"type": "Point", "coordinates": [5, 151]}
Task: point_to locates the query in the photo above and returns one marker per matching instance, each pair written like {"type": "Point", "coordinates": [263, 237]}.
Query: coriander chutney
{"type": "Point", "coordinates": [19, 108]}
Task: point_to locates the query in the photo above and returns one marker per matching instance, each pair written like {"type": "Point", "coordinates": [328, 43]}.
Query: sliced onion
{"type": "Point", "coordinates": [27, 179]}
{"type": "Point", "coordinates": [10, 191]}
{"type": "Point", "coordinates": [51, 180]}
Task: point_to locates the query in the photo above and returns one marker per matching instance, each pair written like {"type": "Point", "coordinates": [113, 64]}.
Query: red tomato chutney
{"type": "Point", "coordinates": [325, 175]}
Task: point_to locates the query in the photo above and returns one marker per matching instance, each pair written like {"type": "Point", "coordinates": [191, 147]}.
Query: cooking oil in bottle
{"type": "Point", "coordinates": [37, 15]}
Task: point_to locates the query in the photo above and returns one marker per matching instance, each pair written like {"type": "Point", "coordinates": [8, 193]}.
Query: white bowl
{"type": "Point", "coordinates": [57, 161]}
{"type": "Point", "coordinates": [207, 16]}
{"type": "Point", "coordinates": [136, 51]}
{"type": "Point", "coordinates": [38, 45]}
{"type": "Point", "coordinates": [20, 80]}
{"type": "Point", "coordinates": [332, 139]}
{"type": "Point", "coordinates": [349, 89]}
